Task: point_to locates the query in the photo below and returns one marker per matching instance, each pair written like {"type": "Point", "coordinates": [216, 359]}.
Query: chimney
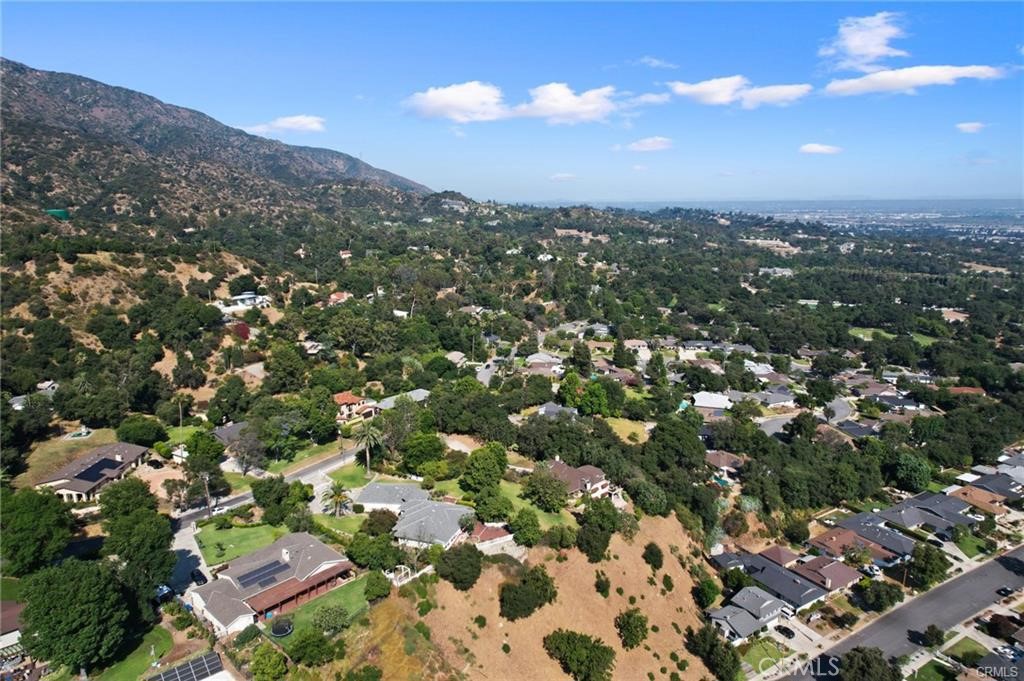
{"type": "Point", "coordinates": [286, 555]}
{"type": "Point", "coordinates": [558, 458]}
{"type": "Point", "coordinates": [828, 583]}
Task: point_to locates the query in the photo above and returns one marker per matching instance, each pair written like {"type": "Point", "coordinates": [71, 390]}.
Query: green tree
{"type": "Point", "coordinates": [141, 430]}
{"type": "Point", "coordinates": [521, 598]}
{"type": "Point", "coordinates": [796, 531]}
{"type": "Point", "coordinates": [141, 541]}
{"type": "Point", "coordinates": [285, 369]}
{"type": "Point", "coordinates": [267, 664]}
{"type": "Point", "coordinates": [912, 472]}
{"type": "Point", "coordinates": [594, 400]}
{"type": "Point", "coordinates": [632, 627]}
{"type": "Point", "coordinates": [735, 579]}
{"type": "Point", "coordinates": [375, 553]}
{"type": "Point", "coordinates": [420, 448]}
{"type": "Point", "coordinates": [569, 389]}
{"type": "Point", "coordinates": [880, 596]}
{"type": "Point", "coordinates": [369, 438]}
{"type": "Point", "coordinates": [653, 556]}
{"type": "Point", "coordinates": [124, 497]}
{"type": "Point", "coordinates": [621, 357]}
{"type": "Point", "coordinates": [934, 636]}
{"type": "Point", "coordinates": [706, 592]}
{"type": "Point", "coordinates": [545, 490]}
{"type": "Point", "coordinates": [928, 565]}
{"type": "Point", "coordinates": [330, 619]}
{"type": "Point", "coordinates": [74, 615]}
{"type": "Point", "coordinates": [867, 663]}
{"type": "Point", "coordinates": [484, 467]}
{"type": "Point", "coordinates": [461, 565]}
{"type": "Point", "coordinates": [582, 657]}
{"type": "Point", "coordinates": [525, 527]}
{"type": "Point", "coordinates": [377, 586]}
{"type": "Point", "coordinates": [580, 359]}
{"type": "Point", "coordinates": [311, 648]}
{"type": "Point", "coordinates": [36, 528]}
{"type": "Point", "coordinates": [337, 497]}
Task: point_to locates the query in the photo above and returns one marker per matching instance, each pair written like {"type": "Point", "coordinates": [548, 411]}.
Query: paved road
{"type": "Point", "coordinates": [842, 408]}
{"type": "Point", "coordinates": [944, 606]}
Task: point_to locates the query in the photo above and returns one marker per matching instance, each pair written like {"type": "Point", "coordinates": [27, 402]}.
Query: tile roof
{"type": "Point", "coordinates": [838, 539]}
{"type": "Point", "coordinates": [779, 555]}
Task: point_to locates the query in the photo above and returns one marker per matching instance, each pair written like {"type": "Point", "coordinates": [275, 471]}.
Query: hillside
{"type": "Point", "coordinates": [73, 142]}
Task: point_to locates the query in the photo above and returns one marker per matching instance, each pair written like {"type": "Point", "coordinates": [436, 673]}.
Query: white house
{"type": "Point", "coordinates": [708, 400]}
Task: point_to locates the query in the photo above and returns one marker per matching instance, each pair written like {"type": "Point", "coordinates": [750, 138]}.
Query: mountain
{"type": "Point", "coordinates": [70, 141]}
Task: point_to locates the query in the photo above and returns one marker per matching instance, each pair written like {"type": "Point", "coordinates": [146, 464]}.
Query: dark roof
{"type": "Point", "coordinates": [784, 583]}
{"type": "Point", "coordinates": [998, 667]}
{"type": "Point", "coordinates": [936, 511]}
{"type": "Point", "coordinates": [855, 429]}
{"type": "Point", "coordinates": [101, 465]}
{"type": "Point", "coordinates": [553, 411]}
{"type": "Point", "coordinates": [727, 561]}
{"type": "Point", "coordinates": [1000, 483]}
{"type": "Point", "coordinates": [871, 527]}
{"type": "Point", "coordinates": [779, 554]}
{"type": "Point", "coordinates": [828, 573]}
{"type": "Point", "coordinates": [10, 616]}
{"type": "Point", "coordinates": [227, 435]}
{"type": "Point", "coordinates": [576, 479]}
{"type": "Point", "coordinates": [197, 669]}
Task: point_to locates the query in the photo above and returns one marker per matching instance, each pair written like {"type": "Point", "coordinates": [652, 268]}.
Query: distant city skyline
{"type": "Point", "coordinates": [587, 102]}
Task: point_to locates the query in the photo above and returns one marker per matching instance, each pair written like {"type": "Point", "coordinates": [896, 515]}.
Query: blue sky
{"type": "Point", "coordinates": [689, 101]}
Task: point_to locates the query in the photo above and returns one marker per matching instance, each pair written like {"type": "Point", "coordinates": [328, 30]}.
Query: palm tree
{"type": "Point", "coordinates": [369, 437]}
{"type": "Point", "coordinates": [337, 496]}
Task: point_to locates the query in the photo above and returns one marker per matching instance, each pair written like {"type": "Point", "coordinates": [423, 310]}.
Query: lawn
{"type": "Point", "coordinates": [966, 650]}
{"type": "Point", "coordinates": [48, 456]}
{"type": "Point", "coordinates": [10, 589]}
{"type": "Point", "coordinates": [923, 340]}
{"type": "Point", "coordinates": [350, 595]}
{"type": "Point", "coordinates": [352, 475]}
{"type": "Point", "coordinates": [512, 490]}
{"type": "Point", "coordinates": [289, 465]}
{"type": "Point", "coordinates": [935, 486]}
{"type": "Point", "coordinates": [221, 546]}
{"type": "Point", "coordinates": [764, 652]}
{"type": "Point", "coordinates": [625, 427]}
{"type": "Point", "coordinates": [178, 435]}
{"type": "Point", "coordinates": [971, 545]}
{"type": "Point", "coordinates": [348, 524]}
{"type": "Point", "coordinates": [934, 671]}
{"type": "Point", "coordinates": [634, 394]}
{"type": "Point", "coordinates": [868, 332]}
{"type": "Point", "coordinates": [135, 665]}
{"type": "Point", "coordinates": [239, 483]}
{"type": "Point", "coordinates": [843, 603]}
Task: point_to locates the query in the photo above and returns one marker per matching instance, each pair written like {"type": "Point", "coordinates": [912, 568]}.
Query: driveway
{"type": "Point", "coordinates": [944, 606]}
{"type": "Point", "coordinates": [842, 408]}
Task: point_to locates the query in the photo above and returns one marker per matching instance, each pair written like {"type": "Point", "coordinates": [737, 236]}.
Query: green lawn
{"type": "Point", "coordinates": [48, 456]}
{"type": "Point", "coordinates": [934, 671]}
{"type": "Point", "coordinates": [971, 545]}
{"type": "Point", "coordinates": [137, 663]}
{"type": "Point", "coordinates": [512, 490]}
{"type": "Point", "coordinates": [761, 653]}
{"type": "Point", "coordinates": [176, 435]}
{"type": "Point", "coordinates": [348, 524]}
{"type": "Point", "coordinates": [923, 340]}
{"type": "Point", "coordinates": [352, 476]}
{"type": "Point", "coordinates": [287, 466]}
{"type": "Point", "coordinates": [10, 589]}
{"type": "Point", "coordinates": [350, 595]}
{"type": "Point", "coordinates": [239, 483]}
{"type": "Point", "coordinates": [968, 647]}
{"type": "Point", "coordinates": [935, 486]}
{"type": "Point", "coordinates": [221, 546]}
{"type": "Point", "coordinates": [868, 333]}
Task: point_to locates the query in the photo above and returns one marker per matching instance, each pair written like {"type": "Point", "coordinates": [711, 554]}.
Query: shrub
{"type": "Point", "coordinates": [666, 582]}
{"type": "Point", "coordinates": [653, 556]}
{"type": "Point", "coordinates": [480, 621]}
{"type": "Point", "coordinates": [521, 599]}
{"type": "Point", "coordinates": [582, 657]}
{"type": "Point", "coordinates": [632, 627]}
{"type": "Point", "coordinates": [602, 584]}
{"type": "Point", "coordinates": [365, 673]}
{"type": "Point", "coordinates": [460, 565]}
{"type": "Point", "coordinates": [560, 537]}
{"type": "Point", "coordinates": [423, 629]}
{"type": "Point", "coordinates": [330, 619]}
{"type": "Point", "coordinates": [377, 586]}
{"type": "Point", "coordinates": [706, 592]}
{"type": "Point", "coordinates": [311, 648]}
{"type": "Point", "coordinates": [525, 527]}
{"type": "Point", "coordinates": [250, 633]}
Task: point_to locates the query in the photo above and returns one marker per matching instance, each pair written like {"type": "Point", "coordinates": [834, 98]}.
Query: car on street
{"type": "Point", "coordinates": [786, 632]}
{"type": "Point", "coordinates": [1005, 591]}
{"type": "Point", "coordinates": [198, 577]}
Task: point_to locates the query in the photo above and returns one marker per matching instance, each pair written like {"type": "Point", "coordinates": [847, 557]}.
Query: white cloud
{"type": "Point", "coordinates": [462, 103]}
{"type": "Point", "coordinates": [647, 99]}
{"type": "Point", "coordinates": [779, 95]}
{"type": "Point", "coordinates": [906, 80]}
{"type": "Point", "coordinates": [558, 103]}
{"type": "Point", "coordinates": [562, 177]}
{"type": "Point", "coordinates": [864, 41]}
{"type": "Point", "coordinates": [650, 144]}
{"type": "Point", "coordinates": [655, 63]}
{"type": "Point", "coordinates": [732, 89]}
{"type": "Point", "coordinates": [815, 148]}
{"type": "Point", "coordinates": [476, 101]}
{"type": "Point", "coordinates": [971, 127]}
{"type": "Point", "coordinates": [299, 123]}
{"type": "Point", "coordinates": [714, 91]}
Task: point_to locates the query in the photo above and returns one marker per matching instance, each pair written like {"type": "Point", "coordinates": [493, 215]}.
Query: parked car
{"type": "Point", "coordinates": [786, 632]}
{"type": "Point", "coordinates": [164, 593]}
{"type": "Point", "coordinates": [935, 542]}
{"type": "Point", "coordinates": [871, 570]}
{"type": "Point", "coordinates": [1005, 591]}
{"type": "Point", "coordinates": [155, 463]}
{"type": "Point", "coordinates": [198, 577]}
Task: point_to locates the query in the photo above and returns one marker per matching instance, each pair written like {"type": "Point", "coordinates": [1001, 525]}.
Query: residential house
{"type": "Point", "coordinates": [837, 541]}
{"type": "Point", "coordinates": [229, 434]}
{"type": "Point", "coordinates": [858, 429]}
{"type": "Point", "coordinates": [751, 610]}
{"type": "Point", "coordinates": [422, 524]}
{"type": "Point", "coordinates": [390, 496]}
{"type": "Point", "coordinates": [726, 464]}
{"type": "Point", "coordinates": [780, 555]}
{"type": "Point", "coordinates": [779, 396]}
{"type": "Point", "coordinates": [490, 539]}
{"type": "Point", "coordinates": [871, 527]}
{"type": "Point", "coordinates": [457, 358]}
{"type": "Point", "coordinates": [584, 480]}
{"type": "Point", "coordinates": [85, 477]}
{"type": "Point", "coordinates": [242, 302]}
{"type": "Point", "coordinates": [639, 348]}
{"type": "Point", "coordinates": [351, 406]}
{"type": "Point", "coordinates": [785, 584]}
{"type": "Point", "coordinates": [981, 499]}
{"type": "Point", "coordinates": [416, 395]}
{"type": "Point", "coordinates": [709, 400]}
{"type": "Point", "coordinates": [897, 403]}
{"type": "Point", "coordinates": [10, 623]}
{"type": "Point", "coordinates": [828, 573]}
{"type": "Point", "coordinates": [758, 368]}
{"type": "Point", "coordinates": [273, 580]}
{"type": "Point", "coordinates": [550, 410]}
{"type": "Point", "coordinates": [936, 513]}
{"type": "Point", "coordinates": [1001, 484]}
{"type": "Point", "coordinates": [338, 298]}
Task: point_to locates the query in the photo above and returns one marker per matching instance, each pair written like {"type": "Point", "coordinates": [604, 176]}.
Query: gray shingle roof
{"type": "Point", "coordinates": [739, 620]}
{"type": "Point", "coordinates": [430, 522]}
{"type": "Point", "coordinates": [391, 494]}
{"type": "Point", "coordinates": [101, 465]}
{"type": "Point", "coordinates": [417, 395]}
{"type": "Point", "coordinates": [757, 602]}
{"type": "Point", "coordinates": [784, 583]}
{"type": "Point", "coordinates": [871, 527]}
{"type": "Point", "coordinates": [227, 435]}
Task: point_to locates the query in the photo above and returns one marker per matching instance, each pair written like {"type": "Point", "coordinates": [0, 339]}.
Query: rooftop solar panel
{"type": "Point", "coordinates": [95, 472]}
{"type": "Point", "coordinates": [262, 573]}
{"type": "Point", "coordinates": [193, 670]}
